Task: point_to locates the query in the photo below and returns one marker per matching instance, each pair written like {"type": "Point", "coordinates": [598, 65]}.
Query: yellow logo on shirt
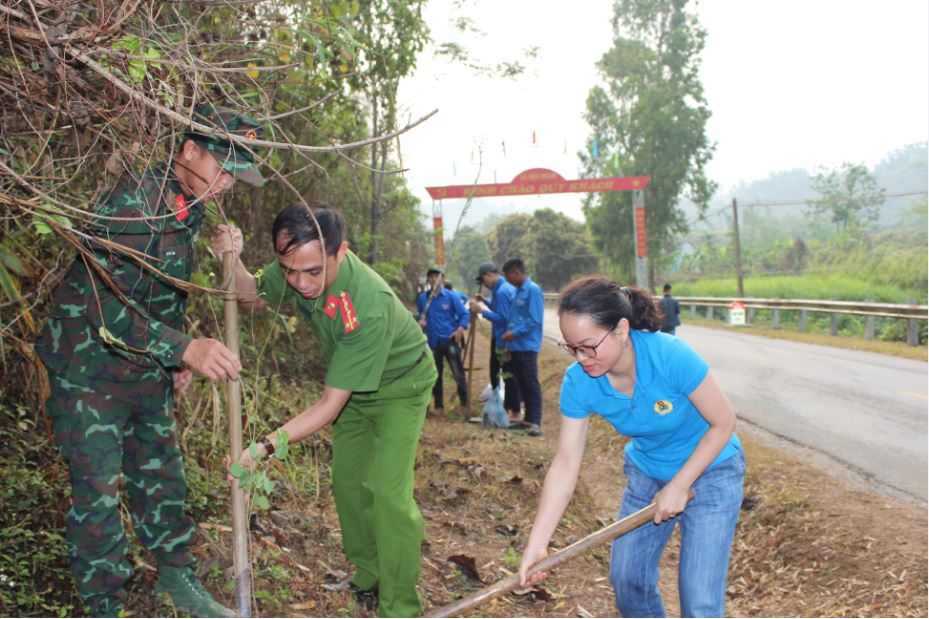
{"type": "Point", "coordinates": [663, 407]}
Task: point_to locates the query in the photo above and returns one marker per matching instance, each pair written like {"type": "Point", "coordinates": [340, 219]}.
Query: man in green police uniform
{"type": "Point", "coordinates": [377, 389]}
{"type": "Point", "coordinates": [115, 350]}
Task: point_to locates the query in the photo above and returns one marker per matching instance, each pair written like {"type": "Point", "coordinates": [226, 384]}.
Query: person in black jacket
{"type": "Point", "coordinates": [671, 310]}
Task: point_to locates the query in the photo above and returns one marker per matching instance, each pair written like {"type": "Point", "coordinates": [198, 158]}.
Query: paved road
{"type": "Point", "coordinates": [866, 410]}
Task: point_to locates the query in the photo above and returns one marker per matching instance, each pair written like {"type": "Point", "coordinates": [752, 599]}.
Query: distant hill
{"type": "Point", "coordinates": [903, 170]}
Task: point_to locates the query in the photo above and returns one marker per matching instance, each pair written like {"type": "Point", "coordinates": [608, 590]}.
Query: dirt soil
{"type": "Point", "coordinates": [813, 539]}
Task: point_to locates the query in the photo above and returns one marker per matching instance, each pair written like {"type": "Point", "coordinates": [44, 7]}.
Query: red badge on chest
{"type": "Point", "coordinates": [349, 318]}
{"type": "Point", "coordinates": [332, 305]}
{"type": "Point", "coordinates": [182, 209]}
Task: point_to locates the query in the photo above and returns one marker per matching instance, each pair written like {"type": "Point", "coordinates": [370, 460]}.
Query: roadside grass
{"type": "Point", "coordinates": [897, 349]}
{"type": "Point", "coordinates": [810, 286]}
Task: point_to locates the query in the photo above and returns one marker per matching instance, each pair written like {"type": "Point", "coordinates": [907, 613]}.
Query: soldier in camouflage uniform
{"type": "Point", "coordinates": [115, 349]}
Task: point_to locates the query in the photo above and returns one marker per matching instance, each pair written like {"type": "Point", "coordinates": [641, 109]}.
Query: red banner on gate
{"type": "Point", "coordinates": [439, 240]}
{"type": "Point", "coordinates": [539, 181]}
{"type": "Point", "coordinates": [641, 247]}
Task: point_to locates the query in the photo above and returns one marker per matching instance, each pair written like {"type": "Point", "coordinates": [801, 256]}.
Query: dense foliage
{"type": "Point", "coordinates": [89, 91]}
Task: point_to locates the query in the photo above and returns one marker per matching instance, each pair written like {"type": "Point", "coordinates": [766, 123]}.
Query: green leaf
{"type": "Point", "coordinates": [261, 501]}
{"type": "Point", "coordinates": [40, 226]}
{"type": "Point", "coordinates": [8, 284]}
{"type": "Point", "coordinates": [282, 444]}
{"type": "Point", "coordinates": [236, 470]}
{"type": "Point", "coordinates": [11, 261]}
{"type": "Point", "coordinates": [267, 484]}
{"type": "Point", "coordinates": [200, 279]}
{"type": "Point", "coordinates": [253, 451]}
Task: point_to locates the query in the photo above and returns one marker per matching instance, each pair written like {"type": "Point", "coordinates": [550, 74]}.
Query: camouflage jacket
{"type": "Point", "coordinates": [135, 334]}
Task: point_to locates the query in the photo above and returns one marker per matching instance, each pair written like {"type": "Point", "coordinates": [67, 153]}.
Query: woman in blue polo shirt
{"type": "Point", "coordinates": [654, 388]}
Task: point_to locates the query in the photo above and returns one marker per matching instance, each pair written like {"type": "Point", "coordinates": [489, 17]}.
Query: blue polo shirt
{"type": "Point", "coordinates": [662, 422]}
{"type": "Point", "coordinates": [446, 313]}
{"type": "Point", "coordinates": [498, 312]}
{"type": "Point", "coordinates": [526, 316]}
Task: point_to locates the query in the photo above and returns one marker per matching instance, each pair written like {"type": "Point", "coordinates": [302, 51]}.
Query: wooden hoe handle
{"type": "Point", "coordinates": [501, 587]}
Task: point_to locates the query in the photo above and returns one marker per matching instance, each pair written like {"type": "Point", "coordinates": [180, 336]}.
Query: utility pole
{"type": "Point", "coordinates": [738, 248]}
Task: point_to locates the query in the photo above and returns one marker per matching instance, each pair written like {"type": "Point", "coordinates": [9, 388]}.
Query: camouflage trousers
{"type": "Point", "coordinates": [103, 430]}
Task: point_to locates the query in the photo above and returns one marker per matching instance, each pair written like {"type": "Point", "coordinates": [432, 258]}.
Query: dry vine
{"type": "Point", "coordinates": [109, 85]}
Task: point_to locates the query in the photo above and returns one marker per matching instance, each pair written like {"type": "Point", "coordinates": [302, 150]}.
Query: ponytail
{"type": "Point", "coordinates": [606, 302]}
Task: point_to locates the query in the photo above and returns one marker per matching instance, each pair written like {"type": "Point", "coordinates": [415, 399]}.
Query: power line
{"type": "Point", "coordinates": [792, 202]}
{"type": "Point", "coordinates": [808, 201]}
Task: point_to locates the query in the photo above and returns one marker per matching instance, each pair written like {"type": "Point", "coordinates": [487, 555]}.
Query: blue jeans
{"type": "Point", "coordinates": [707, 526]}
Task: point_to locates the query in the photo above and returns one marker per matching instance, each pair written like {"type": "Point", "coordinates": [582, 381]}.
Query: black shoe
{"type": "Point", "coordinates": [519, 425]}
{"type": "Point", "coordinates": [366, 598]}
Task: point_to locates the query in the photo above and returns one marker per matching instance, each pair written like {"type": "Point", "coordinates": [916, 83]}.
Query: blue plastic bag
{"type": "Point", "coordinates": [494, 413]}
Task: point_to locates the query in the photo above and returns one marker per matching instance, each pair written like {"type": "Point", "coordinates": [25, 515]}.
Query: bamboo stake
{"type": "Point", "coordinates": [472, 331]}
{"type": "Point", "coordinates": [240, 561]}
{"type": "Point", "coordinates": [501, 587]}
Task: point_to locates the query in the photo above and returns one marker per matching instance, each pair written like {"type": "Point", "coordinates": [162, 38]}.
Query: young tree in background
{"type": "Point", "coordinates": [392, 35]}
{"type": "Point", "coordinates": [554, 247]}
{"type": "Point", "coordinates": [470, 252]}
{"type": "Point", "coordinates": [650, 119]}
{"type": "Point", "coordinates": [850, 196]}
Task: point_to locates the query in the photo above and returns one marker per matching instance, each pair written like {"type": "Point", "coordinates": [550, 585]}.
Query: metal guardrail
{"type": "Point", "coordinates": [909, 312]}
{"type": "Point", "coordinates": [861, 308]}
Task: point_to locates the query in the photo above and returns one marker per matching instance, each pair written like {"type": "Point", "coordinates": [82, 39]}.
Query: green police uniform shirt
{"type": "Point", "coordinates": [130, 329]}
{"type": "Point", "coordinates": [368, 336]}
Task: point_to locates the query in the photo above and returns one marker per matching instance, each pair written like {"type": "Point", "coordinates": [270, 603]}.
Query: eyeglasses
{"type": "Point", "coordinates": [588, 352]}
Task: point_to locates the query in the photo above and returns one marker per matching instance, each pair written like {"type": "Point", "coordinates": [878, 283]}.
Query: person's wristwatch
{"type": "Point", "coordinates": [268, 446]}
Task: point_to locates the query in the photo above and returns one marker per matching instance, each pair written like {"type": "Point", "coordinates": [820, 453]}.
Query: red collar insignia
{"type": "Point", "coordinates": [331, 304]}
{"type": "Point", "coordinates": [182, 209]}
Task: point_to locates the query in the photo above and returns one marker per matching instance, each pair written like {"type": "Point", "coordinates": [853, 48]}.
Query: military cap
{"type": "Point", "coordinates": [233, 158]}
{"type": "Point", "coordinates": [487, 267]}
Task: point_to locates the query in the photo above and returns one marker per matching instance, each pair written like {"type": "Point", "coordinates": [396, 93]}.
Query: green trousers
{"type": "Point", "coordinates": [103, 431]}
{"type": "Point", "coordinates": [374, 446]}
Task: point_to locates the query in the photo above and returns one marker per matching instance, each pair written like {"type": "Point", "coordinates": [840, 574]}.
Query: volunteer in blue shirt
{"type": "Point", "coordinates": [523, 340]}
{"type": "Point", "coordinates": [655, 389]}
{"type": "Point", "coordinates": [464, 298]}
{"type": "Point", "coordinates": [496, 309]}
{"type": "Point", "coordinates": [444, 317]}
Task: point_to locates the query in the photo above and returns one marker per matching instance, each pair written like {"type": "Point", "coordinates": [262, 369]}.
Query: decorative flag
{"type": "Point", "coordinates": [565, 149]}
{"type": "Point", "coordinates": [454, 169]}
{"type": "Point", "coordinates": [472, 155]}
{"type": "Point", "coordinates": [504, 147]}
{"type": "Point", "coordinates": [533, 136]}
{"type": "Point", "coordinates": [596, 149]}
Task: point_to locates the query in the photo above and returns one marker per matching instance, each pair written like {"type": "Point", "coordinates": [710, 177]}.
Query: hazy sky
{"type": "Point", "coordinates": [790, 84]}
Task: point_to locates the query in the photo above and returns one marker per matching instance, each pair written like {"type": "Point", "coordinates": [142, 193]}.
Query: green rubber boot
{"type": "Point", "coordinates": [104, 606]}
{"type": "Point", "coordinates": [188, 595]}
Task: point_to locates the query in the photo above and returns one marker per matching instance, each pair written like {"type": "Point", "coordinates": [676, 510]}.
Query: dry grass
{"type": "Point", "coordinates": [807, 545]}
